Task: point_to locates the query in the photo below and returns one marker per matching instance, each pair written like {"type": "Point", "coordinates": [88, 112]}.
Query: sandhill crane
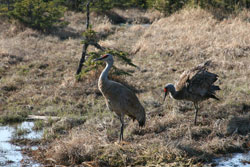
{"type": "Point", "coordinates": [119, 98]}
{"type": "Point", "coordinates": [195, 85]}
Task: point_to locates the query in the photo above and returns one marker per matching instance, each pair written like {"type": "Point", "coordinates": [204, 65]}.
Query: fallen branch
{"type": "Point", "coordinates": [39, 117]}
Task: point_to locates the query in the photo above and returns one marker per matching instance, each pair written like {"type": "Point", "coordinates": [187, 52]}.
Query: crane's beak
{"type": "Point", "coordinates": [166, 93]}
{"type": "Point", "coordinates": [100, 58]}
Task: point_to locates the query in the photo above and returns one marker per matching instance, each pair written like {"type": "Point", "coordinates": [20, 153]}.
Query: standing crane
{"type": "Point", "coordinates": [119, 98]}
{"type": "Point", "coordinates": [195, 85]}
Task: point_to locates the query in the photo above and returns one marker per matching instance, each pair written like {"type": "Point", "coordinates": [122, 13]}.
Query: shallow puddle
{"type": "Point", "coordinates": [236, 160]}
{"type": "Point", "coordinates": [10, 154]}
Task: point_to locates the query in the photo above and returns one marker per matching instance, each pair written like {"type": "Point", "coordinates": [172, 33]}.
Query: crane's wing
{"type": "Point", "coordinates": [125, 101]}
{"type": "Point", "coordinates": [202, 83]}
{"type": "Point", "coordinates": [131, 103]}
{"type": "Point", "coordinates": [199, 81]}
{"type": "Point", "coordinates": [183, 81]}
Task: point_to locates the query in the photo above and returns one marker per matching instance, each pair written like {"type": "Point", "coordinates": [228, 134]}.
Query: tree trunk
{"type": "Point", "coordinates": [8, 3]}
{"type": "Point", "coordinates": [85, 46]}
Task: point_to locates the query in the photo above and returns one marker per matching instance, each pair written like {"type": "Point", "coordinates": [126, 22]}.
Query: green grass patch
{"type": "Point", "coordinates": [38, 125]}
{"type": "Point", "coordinates": [13, 117]}
{"type": "Point", "coordinates": [23, 70]}
{"type": "Point", "coordinates": [48, 135]}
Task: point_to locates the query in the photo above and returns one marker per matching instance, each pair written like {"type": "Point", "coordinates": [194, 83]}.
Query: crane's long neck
{"type": "Point", "coordinates": [104, 74]}
{"type": "Point", "coordinates": [173, 92]}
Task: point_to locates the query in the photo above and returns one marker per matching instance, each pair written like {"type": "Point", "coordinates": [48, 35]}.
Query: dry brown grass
{"type": "Point", "coordinates": [44, 79]}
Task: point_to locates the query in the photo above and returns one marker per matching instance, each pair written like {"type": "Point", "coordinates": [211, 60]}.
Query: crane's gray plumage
{"type": "Point", "coordinates": [195, 85]}
{"type": "Point", "coordinates": [119, 98]}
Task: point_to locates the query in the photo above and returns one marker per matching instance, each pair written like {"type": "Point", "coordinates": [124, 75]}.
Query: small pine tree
{"type": "Point", "coordinates": [167, 6]}
{"type": "Point", "coordinates": [6, 6]}
{"type": "Point", "coordinates": [38, 14]}
{"type": "Point", "coordinates": [94, 68]}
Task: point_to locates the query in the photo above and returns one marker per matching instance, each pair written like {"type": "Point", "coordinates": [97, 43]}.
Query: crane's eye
{"type": "Point", "coordinates": [165, 89]}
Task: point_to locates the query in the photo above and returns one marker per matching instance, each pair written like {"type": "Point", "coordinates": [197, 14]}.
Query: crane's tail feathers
{"type": "Point", "coordinates": [142, 120]}
{"type": "Point", "coordinates": [142, 123]}
{"type": "Point", "coordinates": [214, 97]}
{"type": "Point", "coordinates": [216, 87]}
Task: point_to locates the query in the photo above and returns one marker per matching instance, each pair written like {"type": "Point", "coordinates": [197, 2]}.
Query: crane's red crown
{"type": "Point", "coordinates": [165, 89]}
{"type": "Point", "coordinates": [105, 56]}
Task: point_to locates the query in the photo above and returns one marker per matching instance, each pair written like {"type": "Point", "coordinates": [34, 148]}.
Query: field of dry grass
{"type": "Point", "coordinates": [37, 76]}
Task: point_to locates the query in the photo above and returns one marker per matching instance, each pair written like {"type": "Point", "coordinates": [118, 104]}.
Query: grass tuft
{"type": "Point", "coordinates": [240, 125]}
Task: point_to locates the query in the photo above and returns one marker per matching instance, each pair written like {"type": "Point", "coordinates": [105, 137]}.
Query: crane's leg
{"type": "Point", "coordinates": [196, 112]}
{"type": "Point", "coordinates": [122, 126]}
